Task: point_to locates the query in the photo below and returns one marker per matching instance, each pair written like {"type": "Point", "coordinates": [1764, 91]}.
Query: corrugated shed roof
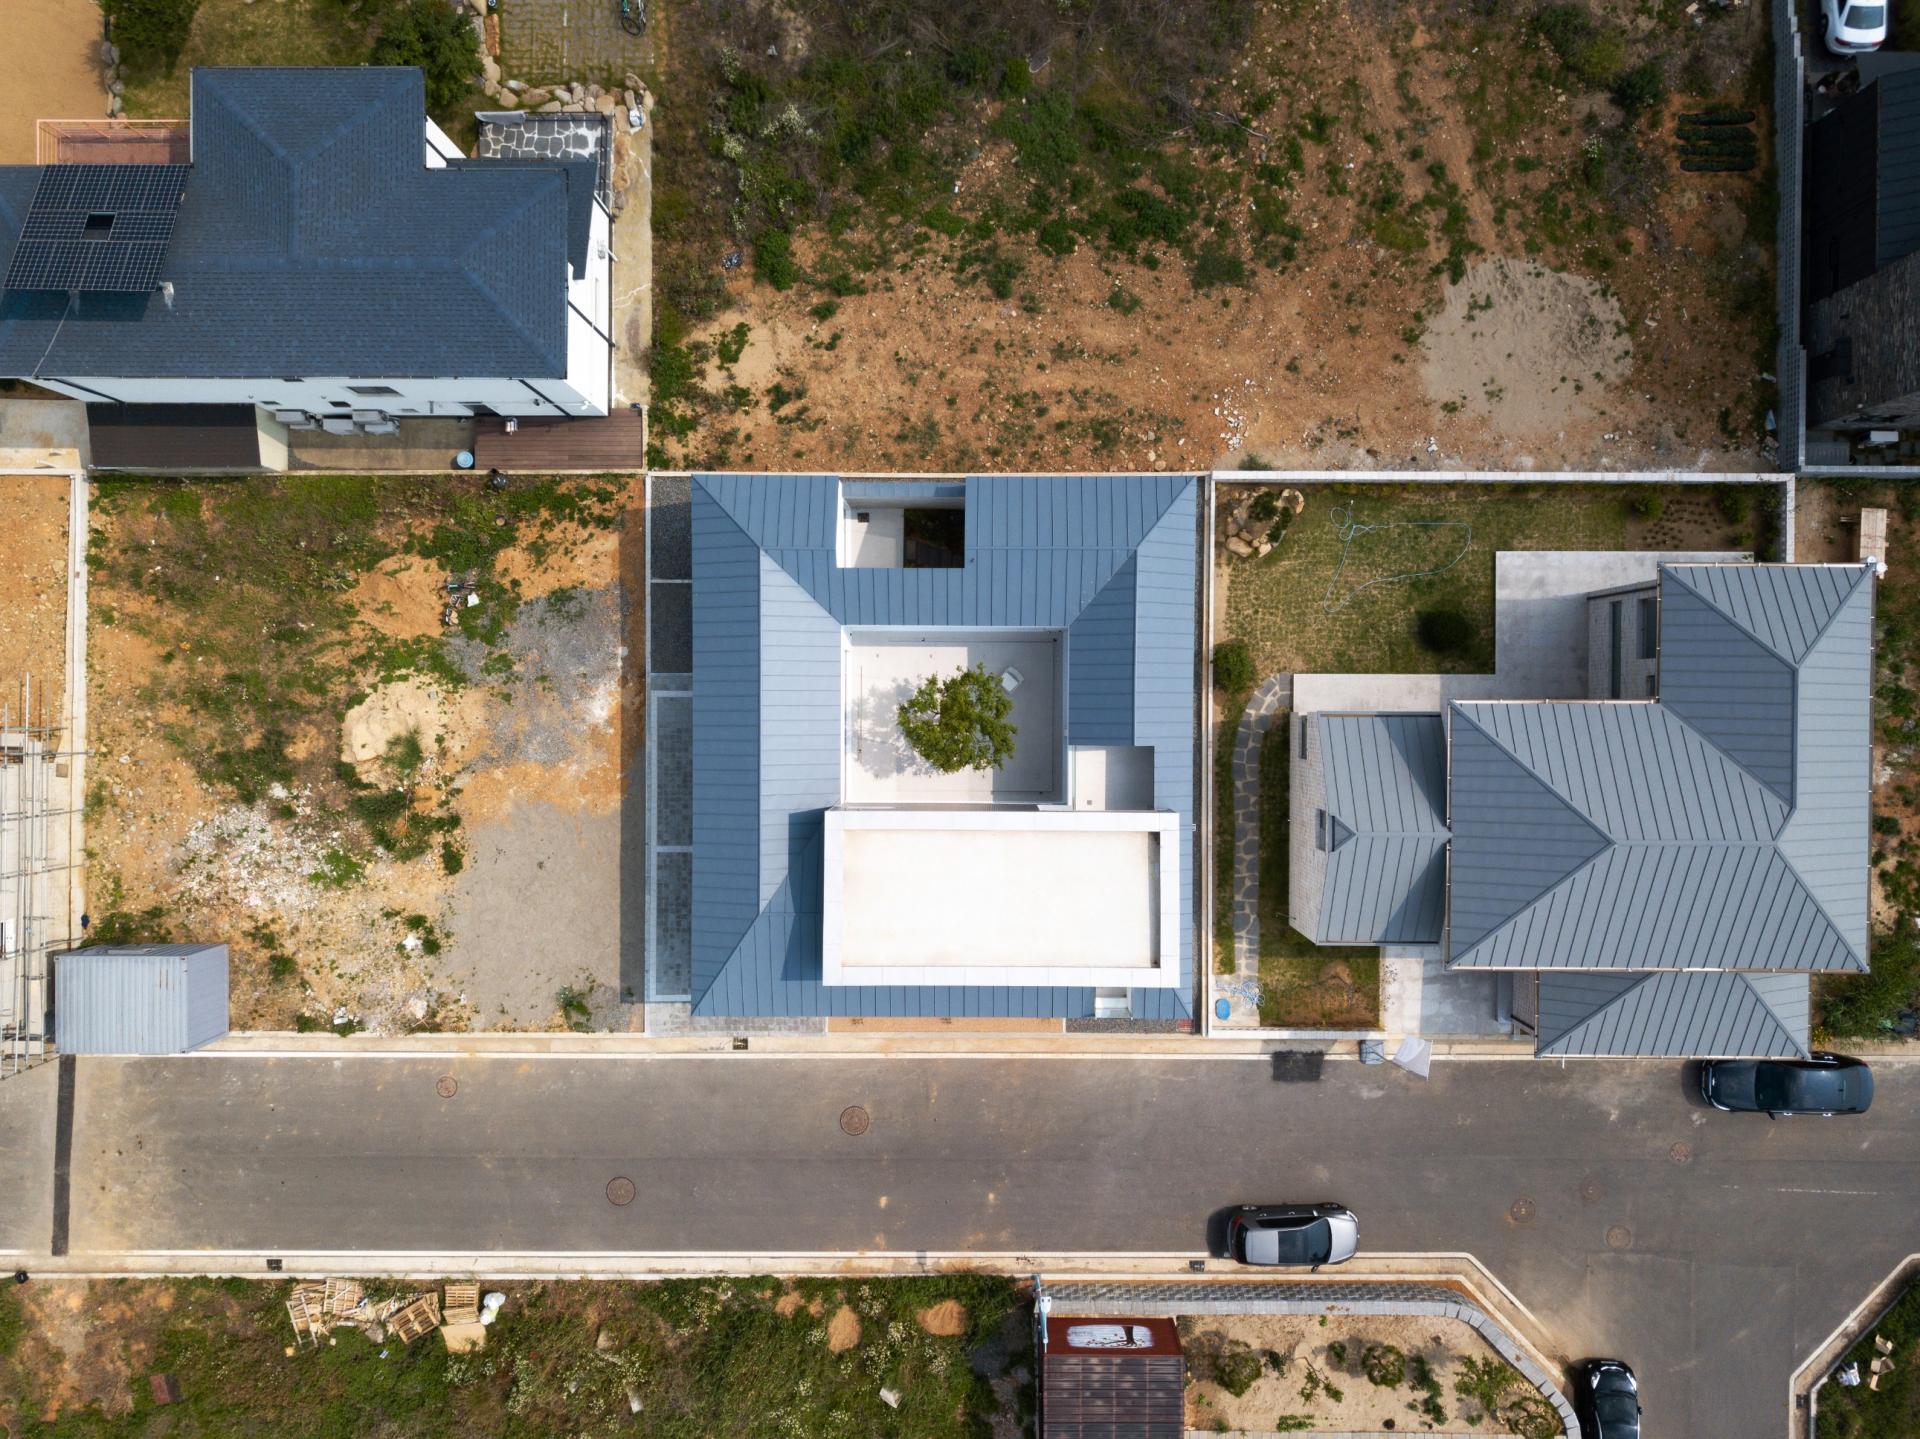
{"type": "Point", "coordinates": [310, 221]}
{"type": "Point", "coordinates": [139, 999]}
{"type": "Point", "coordinates": [769, 604]}
{"type": "Point", "coordinates": [1716, 1014]}
{"type": "Point", "coordinates": [1385, 778]}
{"type": "Point", "coordinates": [1726, 825]}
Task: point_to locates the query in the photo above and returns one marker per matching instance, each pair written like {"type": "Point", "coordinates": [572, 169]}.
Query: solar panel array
{"type": "Point", "coordinates": [97, 228]}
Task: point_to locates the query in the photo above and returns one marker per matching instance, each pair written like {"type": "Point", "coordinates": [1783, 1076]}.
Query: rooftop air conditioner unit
{"type": "Point", "coordinates": [368, 417]}
{"type": "Point", "coordinates": [290, 417]}
{"type": "Point", "coordinates": [381, 427]}
{"type": "Point", "coordinates": [338, 424]}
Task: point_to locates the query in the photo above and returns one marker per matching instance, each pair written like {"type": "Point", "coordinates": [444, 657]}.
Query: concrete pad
{"type": "Point", "coordinates": [882, 673]}
{"type": "Point", "coordinates": [1419, 995]}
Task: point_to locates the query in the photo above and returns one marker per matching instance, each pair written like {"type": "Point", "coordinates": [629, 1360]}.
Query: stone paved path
{"type": "Point", "coordinates": [1273, 696]}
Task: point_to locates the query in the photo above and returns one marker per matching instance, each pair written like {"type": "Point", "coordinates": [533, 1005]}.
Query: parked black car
{"type": "Point", "coordinates": [1307, 1234]}
{"type": "Point", "coordinates": [1819, 1084]}
{"type": "Point", "coordinates": [1606, 1396]}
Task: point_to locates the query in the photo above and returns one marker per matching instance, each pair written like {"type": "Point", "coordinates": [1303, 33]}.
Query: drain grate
{"type": "Point", "coordinates": [1681, 1153]}
{"type": "Point", "coordinates": [1298, 1066]}
{"type": "Point", "coordinates": [1619, 1237]}
{"type": "Point", "coordinates": [855, 1121]}
{"type": "Point", "coordinates": [446, 1086]}
{"type": "Point", "coordinates": [1521, 1211]}
{"type": "Point", "coordinates": [620, 1191]}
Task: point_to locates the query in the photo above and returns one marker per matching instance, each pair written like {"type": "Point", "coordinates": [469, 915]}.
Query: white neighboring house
{"type": "Point", "coordinates": [328, 257]}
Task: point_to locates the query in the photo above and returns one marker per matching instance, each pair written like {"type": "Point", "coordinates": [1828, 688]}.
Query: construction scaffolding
{"type": "Point", "coordinates": [39, 853]}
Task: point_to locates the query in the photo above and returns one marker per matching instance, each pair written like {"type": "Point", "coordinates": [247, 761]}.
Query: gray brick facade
{"type": "Point", "coordinates": [1880, 318]}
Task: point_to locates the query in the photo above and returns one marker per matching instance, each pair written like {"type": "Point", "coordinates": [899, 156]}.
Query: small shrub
{"type": "Point", "coordinates": [1886, 824]}
{"type": "Point", "coordinates": [1647, 504]}
{"type": "Point", "coordinates": [1337, 1352]}
{"type": "Point", "coordinates": [1233, 666]}
{"type": "Point", "coordinates": [1735, 502]}
{"type": "Point", "coordinates": [1123, 300]}
{"type": "Point", "coordinates": [1640, 89]}
{"type": "Point", "coordinates": [1216, 266]}
{"type": "Point", "coordinates": [440, 40]}
{"type": "Point", "coordinates": [1485, 1382]}
{"type": "Point", "coordinates": [452, 859]}
{"type": "Point", "coordinates": [1233, 1364]}
{"type": "Point", "coordinates": [151, 34]}
{"type": "Point", "coordinates": [1265, 506]}
{"type": "Point", "coordinates": [1595, 53]}
{"type": "Point", "coordinates": [773, 259]}
{"type": "Point", "coordinates": [1056, 237]}
{"type": "Point", "coordinates": [1383, 1365]}
{"type": "Point", "coordinates": [1443, 632]}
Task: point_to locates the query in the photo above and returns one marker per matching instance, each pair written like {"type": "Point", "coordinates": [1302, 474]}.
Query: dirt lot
{"type": "Point", "coordinates": [53, 73]}
{"type": "Point", "coordinates": [1412, 239]}
{"type": "Point", "coordinates": [1360, 1374]}
{"type": "Point", "coordinates": [33, 590]}
{"type": "Point", "coordinates": [397, 825]}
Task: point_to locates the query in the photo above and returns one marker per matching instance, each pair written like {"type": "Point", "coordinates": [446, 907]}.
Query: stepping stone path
{"type": "Point", "coordinates": [1273, 696]}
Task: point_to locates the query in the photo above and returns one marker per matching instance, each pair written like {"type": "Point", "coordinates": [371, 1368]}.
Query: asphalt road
{"type": "Point", "coordinates": [1714, 1268]}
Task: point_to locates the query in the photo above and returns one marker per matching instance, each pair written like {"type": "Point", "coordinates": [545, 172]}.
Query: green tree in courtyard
{"type": "Point", "coordinates": [960, 722]}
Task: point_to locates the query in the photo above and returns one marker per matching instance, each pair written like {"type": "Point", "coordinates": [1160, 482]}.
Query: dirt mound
{"type": "Point", "coordinates": [947, 1318]}
{"type": "Point", "coordinates": [843, 1330]}
{"type": "Point", "coordinates": [403, 599]}
{"type": "Point", "coordinates": [409, 706]}
{"type": "Point", "coordinates": [1527, 347]}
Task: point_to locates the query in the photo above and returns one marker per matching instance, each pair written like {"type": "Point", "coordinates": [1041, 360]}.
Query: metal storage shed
{"type": "Point", "coordinates": [139, 998]}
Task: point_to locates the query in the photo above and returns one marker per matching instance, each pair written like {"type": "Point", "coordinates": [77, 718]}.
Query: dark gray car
{"type": "Point", "coordinates": [1824, 1084]}
{"type": "Point", "coordinates": [1607, 1398]}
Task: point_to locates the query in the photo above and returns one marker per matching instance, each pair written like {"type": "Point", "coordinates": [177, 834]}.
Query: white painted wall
{"type": "Point", "coordinates": [318, 396]}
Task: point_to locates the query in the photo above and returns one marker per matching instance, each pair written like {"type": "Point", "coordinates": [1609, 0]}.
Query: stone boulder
{"type": "Point", "coordinates": [1238, 546]}
{"type": "Point", "coordinates": [533, 97]}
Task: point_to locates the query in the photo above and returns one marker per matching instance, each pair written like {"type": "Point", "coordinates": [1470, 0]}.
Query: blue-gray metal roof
{"type": "Point", "coordinates": [311, 221]}
{"type": "Point", "coordinates": [1386, 787]}
{"type": "Point", "coordinates": [1724, 826]}
{"type": "Point", "coordinates": [1114, 561]}
{"type": "Point", "coordinates": [1717, 1014]}
{"type": "Point", "coordinates": [139, 999]}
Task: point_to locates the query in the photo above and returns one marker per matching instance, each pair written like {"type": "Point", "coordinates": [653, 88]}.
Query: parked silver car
{"type": "Point", "coordinates": [1292, 1234]}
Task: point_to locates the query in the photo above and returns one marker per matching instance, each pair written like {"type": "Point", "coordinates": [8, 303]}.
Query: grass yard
{"type": "Point", "coordinates": [746, 1357]}
{"type": "Point", "coordinates": [1343, 591]}
{"type": "Point", "coordinates": [1302, 985]}
{"type": "Point", "coordinates": [276, 32]}
{"type": "Point", "coordinates": [1893, 1411]}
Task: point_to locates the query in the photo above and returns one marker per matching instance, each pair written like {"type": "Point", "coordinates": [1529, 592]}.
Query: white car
{"type": "Point", "coordinates": [1853, 27]}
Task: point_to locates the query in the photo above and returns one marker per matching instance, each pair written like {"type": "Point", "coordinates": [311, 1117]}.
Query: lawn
{"type": "Point", "coordinates": [747, 1357]}
{"type": "Point", "coordinates": [1893, 1411]}
{"type": "Point", "coordinates": [275, 32]}
{"type": "Point", "coordinates": [1302, 985]}
{"type": "Point", "coordinates": [1342, 592]}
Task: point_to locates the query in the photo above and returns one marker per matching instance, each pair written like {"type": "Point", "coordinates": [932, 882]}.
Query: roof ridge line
{"type": "Point", "coordinates": [1674, 570]}
{"type": "Point", "coordinates": [1527, 908]}
{"type": "Point", "coordinates": [1638, 977]}
{"type": "Point", "coordinates": [1531, 772]}
{"type": "Point", "coordinates": [1813, 899]}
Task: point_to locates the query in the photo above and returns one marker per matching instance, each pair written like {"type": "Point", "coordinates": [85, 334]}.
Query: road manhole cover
{"type": "Point", "coordinates": [1681, 1153]}
{"type": "Point", "coordinates": [446, 1086]}
{"type": "Point", "coordinates": [1619, 1237]}
{"type": "Point", "coordinates": [620, 1191]}
{"type": "Point", "coordinates": [1521, 1211]}
{"type": "Point", "coordinates": [855, 1120]}
{"type": "Point", "coordinates": [1590, 1190]}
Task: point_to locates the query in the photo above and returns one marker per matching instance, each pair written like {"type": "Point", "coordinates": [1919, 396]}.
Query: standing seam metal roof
{"type": "Point", "coordinates": [1111, 560]}
{"type": "Point", "coordinates": [1630, 836]}
{"type": "Point", "coordinates": [1386, 781]}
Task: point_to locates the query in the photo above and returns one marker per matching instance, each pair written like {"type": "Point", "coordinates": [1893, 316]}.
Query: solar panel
{"type": "Point", "coordinates": [97, 228]}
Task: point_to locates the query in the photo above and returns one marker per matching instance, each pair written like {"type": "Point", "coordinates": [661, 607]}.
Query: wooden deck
{"type": "Point", "coordinates": [113, 142]}
{"type": "Point", "coordinates": [617, 444]}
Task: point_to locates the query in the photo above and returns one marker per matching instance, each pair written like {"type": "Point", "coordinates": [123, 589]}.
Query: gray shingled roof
{"type": "Point", "coordinates": [1112, 560]}
{"type": "Point", "coordinates": [1386, 785]}
{"type": "Point", "coordinates": [1706, 1013]}
{"type": "Point", "coordinates": [1724, 826]}
{"type": "Point", "coordinates": [310, 222]}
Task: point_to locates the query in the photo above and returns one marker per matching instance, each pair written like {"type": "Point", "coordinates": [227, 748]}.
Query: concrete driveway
{"type": "Point", "coordinates": [1711, 1251]}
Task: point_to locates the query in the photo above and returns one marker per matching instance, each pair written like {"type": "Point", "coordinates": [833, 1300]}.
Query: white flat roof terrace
{"type": "Point", "coordinates": [1054, 898]}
